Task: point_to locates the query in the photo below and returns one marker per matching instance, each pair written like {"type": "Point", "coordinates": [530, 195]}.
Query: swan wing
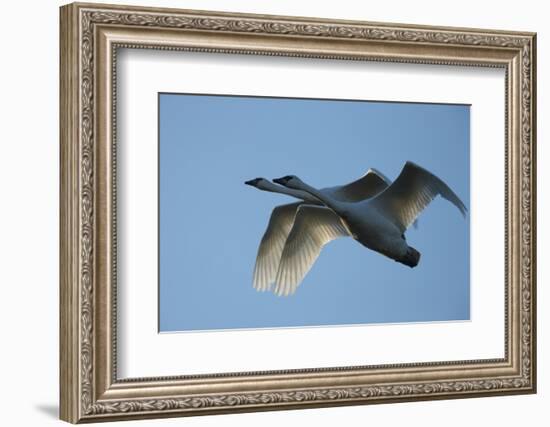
{"type": "Point", "coordinates": [369, 185]}
{"type": "Point", "coordinates": [410, 193]}
{"type": "Point", "coordinates": [272, 244]}
{"type": "Point", "coordinates": [314, 226]}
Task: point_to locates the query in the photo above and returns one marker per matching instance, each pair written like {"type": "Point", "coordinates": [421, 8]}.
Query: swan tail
{"type": "Point", "coordinates": [411, 258]}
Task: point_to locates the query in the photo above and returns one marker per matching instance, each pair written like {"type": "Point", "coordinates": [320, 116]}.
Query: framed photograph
{"type": "Point", "coordinates": [266, 212]}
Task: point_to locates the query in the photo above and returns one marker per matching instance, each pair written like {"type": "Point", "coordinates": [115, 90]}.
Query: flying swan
{"type": "Point", "coordinates": [379, 223]}
{"type": "Point", "coordinates": [282, 218]}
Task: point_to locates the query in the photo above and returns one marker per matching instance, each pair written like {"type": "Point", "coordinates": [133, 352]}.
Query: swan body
{"type": "Point", "coordinates": [378, 223]}
{"type": "Point", "coordinates": [283, 217]}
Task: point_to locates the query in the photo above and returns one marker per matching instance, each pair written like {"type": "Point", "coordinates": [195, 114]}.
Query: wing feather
{"type": "Point", "coordinates": [314, 227]}
{"type": "Point", "coordinates": [411, 192]}
{"type": "Point", "coordinates": [369, 185]}
{"type": "Point", "coordinates": [272, 244]}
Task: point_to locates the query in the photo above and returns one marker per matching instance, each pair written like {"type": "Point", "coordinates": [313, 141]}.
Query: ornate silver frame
{"type": "Point", "coordinates": [90, 35]}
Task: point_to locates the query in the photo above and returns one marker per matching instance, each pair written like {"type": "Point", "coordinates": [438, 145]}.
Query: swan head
{"type": "Point", "coordinates": [258, 183]}
{"type": "Point", "coordinates": [289, 181]}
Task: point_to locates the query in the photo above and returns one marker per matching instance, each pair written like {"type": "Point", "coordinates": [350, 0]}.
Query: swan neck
{"type": "Point", "coordinates": [283, 190]}
{"type": "Point", "coordinates": [326, 200]}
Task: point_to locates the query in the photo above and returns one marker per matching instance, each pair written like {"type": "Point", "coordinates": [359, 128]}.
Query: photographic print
{"type": "Point", "coordinates": [311, 196]}
{"type": "Point", "coordinates": [295, 212]}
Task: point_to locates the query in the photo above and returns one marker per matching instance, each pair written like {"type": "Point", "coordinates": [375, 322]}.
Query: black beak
{"type": "Point", "coordinates": [251, 182]}
{"type": "Point", "coordinates": [283, 180]}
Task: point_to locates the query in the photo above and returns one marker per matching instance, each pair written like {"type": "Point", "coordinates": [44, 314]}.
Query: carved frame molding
{"type": "Point", "coordinates": [90, 36]}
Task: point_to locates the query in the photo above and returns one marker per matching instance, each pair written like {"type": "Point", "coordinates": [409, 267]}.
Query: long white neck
{"type": "Point", "coordinates": [268, 186]}
{"type": "Point", "coordinates": [328, 201]}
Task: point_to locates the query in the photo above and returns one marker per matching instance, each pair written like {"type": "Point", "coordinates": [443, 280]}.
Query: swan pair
{"type": "Point", "coordinates": [372, 210]}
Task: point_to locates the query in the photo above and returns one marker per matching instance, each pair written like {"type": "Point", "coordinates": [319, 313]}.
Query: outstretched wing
{"type": "Point", "coordinates": [314, 227]}
{"type": "Point", "coordinates": [272, 244]}
{"type": "Point", "coordinates": [410, 193]}
{"type": "Point", "coordinates": [369, 185]}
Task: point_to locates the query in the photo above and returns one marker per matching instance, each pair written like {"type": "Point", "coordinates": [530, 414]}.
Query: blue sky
{"type": "Point", "coordinates": [211, 223]}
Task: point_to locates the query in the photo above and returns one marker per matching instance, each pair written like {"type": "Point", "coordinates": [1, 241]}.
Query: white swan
{"type": "Point", "coordinates": [378, 223]}
{"type": "Point", "coordinates": [282, 218]}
